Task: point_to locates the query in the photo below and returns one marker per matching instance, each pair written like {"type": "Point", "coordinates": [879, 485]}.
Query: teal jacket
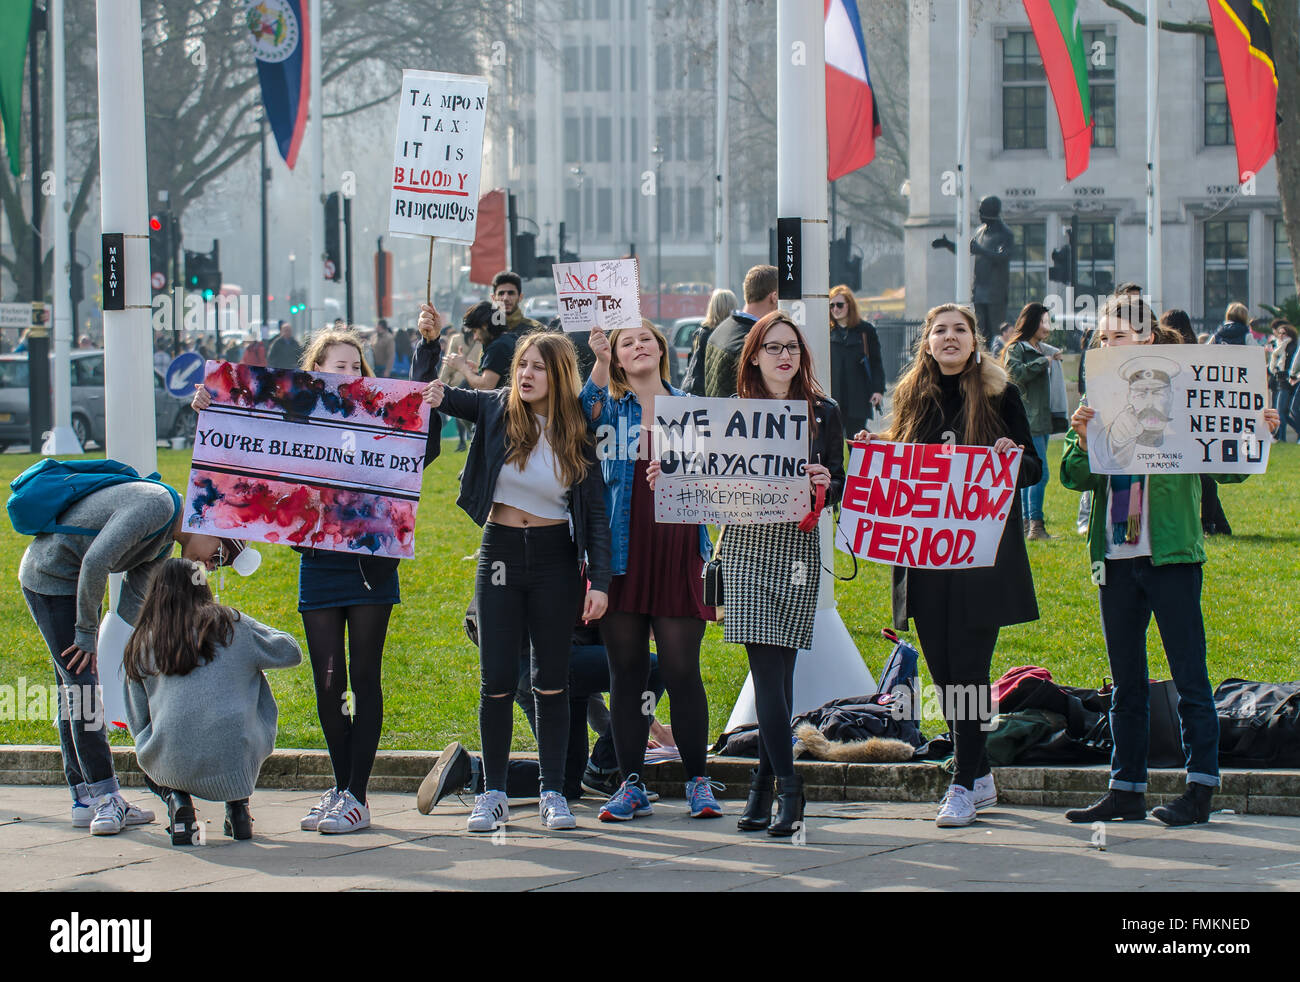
{"type": "Point", "coordinates": [1175, 506]}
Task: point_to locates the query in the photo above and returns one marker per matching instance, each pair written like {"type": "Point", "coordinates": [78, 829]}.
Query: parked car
{"type": "Point", "coordinates": [173, 417]}
{"type": "Point", "coordinates": [679, 345]}
{"type": "Point", "coordinates": [544, 308]}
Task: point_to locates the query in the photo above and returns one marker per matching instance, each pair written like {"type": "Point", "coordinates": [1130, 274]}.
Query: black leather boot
{"type": "Point", "coordinates": [181, 821]}
{"type": "Point", "coordinates": [1129, 806]}
{"type": "Point", "coordinates": [758, 806]}
{"type": "Point", "coordinates": [789, 806]}
{"type": "Point", "coordinates": [239, 823]}
{"type": "Point", "coordinates": [1192, 807]}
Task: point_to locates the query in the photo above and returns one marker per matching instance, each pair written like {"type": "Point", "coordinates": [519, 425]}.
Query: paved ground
{"type": "Point", "coordinates": [859, 846]}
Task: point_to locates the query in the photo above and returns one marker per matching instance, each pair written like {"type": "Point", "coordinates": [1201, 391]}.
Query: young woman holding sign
{"type": "Point", "coordinates": [345, 601]}
{"type": "Point", "coordinates": [656, 584]}
{"type": "Point", "coordinates": [530, 476]}
{"type": "Point", "coordinates": [1146, 547]}
{"type": "Point", "coordinates": [953, 394]}
{"type": "Point", "coordinates": [770, 573]}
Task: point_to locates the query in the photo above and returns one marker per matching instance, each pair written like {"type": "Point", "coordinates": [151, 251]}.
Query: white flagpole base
{"type": "Point", "coordinates": [61, 442]}
{"type": "Point", "coordinates": [833, 669]}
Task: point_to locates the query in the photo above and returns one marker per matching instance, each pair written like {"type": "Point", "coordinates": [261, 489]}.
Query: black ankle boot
{"type": "Point", "coordinates": [1129, 806]}
{"type": "Point", "coordinates": [789, 806]}
{"type": "Point", "coordinates": [1192, 807]}
{"type": "Point", "coordinates": [239, 823]}
{"type": "Point", "coordinates": [181, 818]}
{"type": "Point", "coordinates": [758, 806]}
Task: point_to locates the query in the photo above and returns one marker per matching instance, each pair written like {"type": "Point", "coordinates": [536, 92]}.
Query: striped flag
{"type": "Point", "coordinates": [15, 25]}
{"type": "Point", "coordinates": [1246, 52]}
{"type": "Point", "coordinates": [1060, 44]}
{"type": "Point", "coordinates": [852, 119]}
{"type": "Point", "coordinates": [278, 31]}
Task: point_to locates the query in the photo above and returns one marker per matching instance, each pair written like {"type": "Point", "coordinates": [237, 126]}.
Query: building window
{"type": "Point", "coordinates": [572, 139]}
{"type": "Point", "coordinates": [572, 67]}
{"type": "Point", "coordinates": [663, 67]}
{"type": "Point", "coordinates": [1096, 259]}
{"type": "Point", "coordinates": [588, 207]}
{"type": "Point", "coordinates": [664, 205]}
{"type": "Point", "coordinates": [632, 84]}
{"type": "Point", "coordinates": [1283, 270]}
{"type": "Point", "coordinates": [602, 10]}
{"type": "Point", "coordinates": [1028, 266]}
{"type": "Point", "coordinates": [695, 133]}
{"type": "Point", "coordinates": [1101, 85]}
{"type": "Point", "coordinates": [604, 139]}
{"type": "Point", "coordinates": [1024, 93]}
{"type": "Point", "coordinates": [604, 74]}
{"type": "Point", "coordinates": [1227, 264]}
{"type": "Point", "coordinates": [572, 207]}
{"type": "Point", "coordinates": [586, 68]}
{"type": "Point", "coordinates": [634, 212]}
{"type": "Point", "coordinates": [663, 135]}
{"type": "Point", "coordinates": [694, 69]}
{"type": "Point", "coordinates": [1218, 125]}
{"type": "Point", "coordinates": [604, 211]}
{"type": "Point", "coordinates": [679, 137]}
{"type": "Point", "coordinates": [698, 211]}
{"type": "Point", "coordinates": [679, 199]}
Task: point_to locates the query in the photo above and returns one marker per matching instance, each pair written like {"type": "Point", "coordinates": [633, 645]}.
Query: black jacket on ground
{"type": "Point", "coordinates": [487, 454]}
{"type": "Point", "coordinates": [986, 596]}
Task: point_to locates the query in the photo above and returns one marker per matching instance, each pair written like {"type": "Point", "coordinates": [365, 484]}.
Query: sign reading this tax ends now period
{"type": "Point", "coordinates": [437, 155]}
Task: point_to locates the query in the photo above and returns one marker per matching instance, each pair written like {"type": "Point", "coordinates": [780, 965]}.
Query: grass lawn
{"type": "Point", "coordinates": [1252, 612]}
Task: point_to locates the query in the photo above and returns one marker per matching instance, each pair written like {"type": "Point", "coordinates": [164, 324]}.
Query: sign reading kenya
{"type": "Point", "coordinates": [742, 461]}
{"type": "Point", "coordinates": [926, 505]}
{"type": "Point", "coordinates": [1178, 408]}
{"type": "Point", "coordinates": [437, 155]}
{"type": "Point", "coordinates": [604, 294]}
{"type": "Point", "coordinates": [308, 459]}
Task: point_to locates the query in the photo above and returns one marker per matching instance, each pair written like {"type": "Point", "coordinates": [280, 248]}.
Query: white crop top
{"type": "Point", "coordinates": [537, 488]}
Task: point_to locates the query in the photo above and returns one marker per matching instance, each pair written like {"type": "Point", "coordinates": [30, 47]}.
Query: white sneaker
{"type": "Point", "coordinates": [491, 811]}
{"type": "Point", "coordinates": [956, 809]}
{"type": "Point", "coordinates": [110, 815]}
{"type": "Point", "coordinates": [555, 811]}
{"type": "Point", "coordinates": [311, 821]}
{"type": "Point", "coordinates": [82, 813]}
{"type": "Point", "coordinates": [346, 815]}
{"type": "Point", "coordinates": [984, 793]}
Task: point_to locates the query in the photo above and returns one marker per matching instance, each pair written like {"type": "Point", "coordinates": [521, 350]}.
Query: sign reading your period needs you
{"type": "Point", "coordinates": [437, 155]}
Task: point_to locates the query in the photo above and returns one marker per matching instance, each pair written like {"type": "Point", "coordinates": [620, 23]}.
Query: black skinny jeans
{"type": "Point", "coordinates": [528, 590]}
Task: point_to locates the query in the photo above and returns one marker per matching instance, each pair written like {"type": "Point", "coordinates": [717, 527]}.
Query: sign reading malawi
{"type": "Point", "coordinates": [927, 505]}
{"type": "Point", "coordinates": [309, 459]}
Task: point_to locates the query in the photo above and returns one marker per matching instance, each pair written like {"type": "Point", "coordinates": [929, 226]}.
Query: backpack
{"type": "Point", "coordinates": [50, 487]}
{"type": "Point", "coordinates": [1259, 723]}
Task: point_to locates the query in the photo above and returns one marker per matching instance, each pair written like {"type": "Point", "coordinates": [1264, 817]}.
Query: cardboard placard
{"type": "Point", "coordinates": [605, 294]}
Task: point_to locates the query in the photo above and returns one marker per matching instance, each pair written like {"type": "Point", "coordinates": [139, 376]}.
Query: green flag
{"type": "Point", "coordinates": [15, 21]}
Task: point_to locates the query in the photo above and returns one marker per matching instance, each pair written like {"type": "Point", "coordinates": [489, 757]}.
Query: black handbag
{"type": "Point", "coordinates": [712, 575]}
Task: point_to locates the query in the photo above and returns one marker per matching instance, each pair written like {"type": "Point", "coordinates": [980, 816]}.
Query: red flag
{"type": "Point", "coordinates": [487, 256]}
{"type": "Point", "coordinates": [1246, 52]}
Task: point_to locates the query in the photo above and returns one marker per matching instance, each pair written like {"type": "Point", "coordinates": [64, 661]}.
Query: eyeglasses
{"type": "Point", "coordinates": [776, 349]}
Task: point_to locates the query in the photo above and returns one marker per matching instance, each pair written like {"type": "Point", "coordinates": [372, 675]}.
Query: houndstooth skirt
{"type": "Point", "coordinates": [770, 575]}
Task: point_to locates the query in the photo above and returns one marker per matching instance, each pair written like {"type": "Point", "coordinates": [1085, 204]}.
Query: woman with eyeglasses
{"type": "Point", "coordinates": [857, 370]}
{"type": "Point", "coordinates": [770, 573]}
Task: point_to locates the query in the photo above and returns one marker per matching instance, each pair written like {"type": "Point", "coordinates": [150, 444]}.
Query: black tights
{"type": "Point", "coordinates": [631, 704]}
{"type": "Point", "coordinates": [352, 718]}
{"type": "Point", "coordinates": [772, 669]}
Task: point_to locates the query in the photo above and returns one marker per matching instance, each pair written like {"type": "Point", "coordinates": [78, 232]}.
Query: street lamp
{"type": "Point", "coordinates": [658, 153]}
{"type": "Point", "coordinates": [578, 173]}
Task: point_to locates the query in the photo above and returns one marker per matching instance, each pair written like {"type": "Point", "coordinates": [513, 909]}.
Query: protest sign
{"type": "Point", "coordinates": [437, 155]}
{"type": "Point", "coordinates": [1178, 409]}
{"type": "Point", "coordinates": [604, 294]}
{"type": "Point", "coordinates": [926, 505]}
{"type": "Point", "coordinates": [308, 459]}
{"type": "Point", "coordinates": [741, 461]}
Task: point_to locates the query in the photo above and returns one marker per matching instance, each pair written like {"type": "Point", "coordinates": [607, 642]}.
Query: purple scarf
{"type": "Point", "coordinates": [1126, 508]}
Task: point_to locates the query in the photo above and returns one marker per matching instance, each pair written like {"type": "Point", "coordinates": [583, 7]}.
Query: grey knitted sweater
{"type": "Point", "coordinates": [65, 565]}
{"type": "Point", "coordinates": [208, 732]}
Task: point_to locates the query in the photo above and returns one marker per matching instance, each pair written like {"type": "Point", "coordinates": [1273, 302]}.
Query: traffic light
{"type": "Point", "coordinates": [846, 268]}
{"type": "Point", "coordinates": [333, 261]}
{"type": "Point", "coordinates": [160, 250]}
{"type": "Point", "coordinates": [524, 252]}
{"type": "Point", "coordinates": [297, 302]}
{"type": "Point", "coordinates": [1060, 271]}
{"type": "Point", "coordinates": [203, 271]}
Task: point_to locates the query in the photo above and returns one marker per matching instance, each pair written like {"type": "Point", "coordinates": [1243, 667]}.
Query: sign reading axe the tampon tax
{"type": "Point", "coordinates": [926, 505]}
{"type": "Point", "coordinates": [602, 294]}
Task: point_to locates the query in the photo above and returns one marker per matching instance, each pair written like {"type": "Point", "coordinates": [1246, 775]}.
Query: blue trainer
{"type": "Point", "coordinates": [699, 796]}
{"type": "Point", "coordinates": [628, 802]}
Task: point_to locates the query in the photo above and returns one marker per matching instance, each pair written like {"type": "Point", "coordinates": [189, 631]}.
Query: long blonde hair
{"type": "Point", "coordinates": [566, 429]}
{"type": "Point", "coordinates": [721, 304]}
{"type": "Point", "coordinates": [917, 396]}
{"type": "Point", "coordinates": [324, 339]}
{"type": "Point", "coordinates": [618, 374]}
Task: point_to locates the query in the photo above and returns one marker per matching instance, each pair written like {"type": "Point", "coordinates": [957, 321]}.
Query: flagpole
{"type": "Point", "coordinates": [62, 440]}
{"type": "Point", "coordinates": [315, 270]}
{"type": "Point", "coordinates": [1154, 285]}
{"type": "Point", "coordinates": [721, 189]}
{"type": "Point", "coordinates": [962, 293]}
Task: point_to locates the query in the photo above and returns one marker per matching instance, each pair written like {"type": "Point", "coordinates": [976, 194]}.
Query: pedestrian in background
{"type": "Point", "coordinates": [721, 305]}
{"type": "Point", "coordinates": [1027, 358]}
{"type": "Point", "coordinates": [857, 371]}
